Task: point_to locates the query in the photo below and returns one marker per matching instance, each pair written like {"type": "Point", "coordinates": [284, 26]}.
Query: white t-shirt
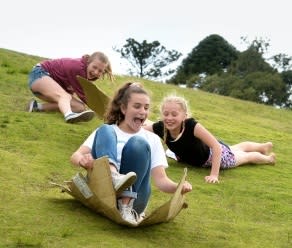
{"type": "Point", "coordinates": [158, 157]}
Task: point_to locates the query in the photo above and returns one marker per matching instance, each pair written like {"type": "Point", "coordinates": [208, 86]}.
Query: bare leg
{"type": "Point", "coordinates": [248, 146]}
{"type": "Point", "coordinates": [76, 105]}
{"type": "Point", "coordinates": [242, 157]}
{"type": "Point", "coordinates": [55, 96]}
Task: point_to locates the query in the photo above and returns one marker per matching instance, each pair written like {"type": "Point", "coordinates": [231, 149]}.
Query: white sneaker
{"type": "Point", "coordinates": [121, 181]}
{"type": "Point", "coordinates": [32, 106]}
{"type": "Point", "coordinates": [141, 217]}
{"type": "Point", "coordinates": [127, 212]}
{"type": "Point", "coordinates": [79, 117]}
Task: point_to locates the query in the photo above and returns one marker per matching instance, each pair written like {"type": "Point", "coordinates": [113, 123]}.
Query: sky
{"type": "Point", "coordinates": [72, 28]}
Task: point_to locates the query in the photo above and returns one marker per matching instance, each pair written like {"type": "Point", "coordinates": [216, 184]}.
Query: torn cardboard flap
{"type": "Point", "coordinates": [96, 192]}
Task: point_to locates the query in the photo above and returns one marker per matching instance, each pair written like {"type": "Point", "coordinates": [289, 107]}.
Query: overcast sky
{"type": "Point", "coordinates": [71, 28]}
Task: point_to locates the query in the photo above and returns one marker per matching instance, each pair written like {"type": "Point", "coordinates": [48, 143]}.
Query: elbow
{"type": "Point", "coordinates": [218, 148]}
{"type": "Point", "coordinates": [73, 159]}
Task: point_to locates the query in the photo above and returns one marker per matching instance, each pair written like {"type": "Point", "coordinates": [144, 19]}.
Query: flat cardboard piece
{"type": "Point", "coordinates": [97, 193]}
{"type": "Point", "coordinates": [96, 99]}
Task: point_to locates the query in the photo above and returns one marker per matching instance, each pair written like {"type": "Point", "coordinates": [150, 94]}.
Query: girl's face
{"type": "Point", "coordinates": [135, 113]}
{"type": "Point", "coordinates": [95, 69]}
{"type": "Point", "coordinates": [173, 115]}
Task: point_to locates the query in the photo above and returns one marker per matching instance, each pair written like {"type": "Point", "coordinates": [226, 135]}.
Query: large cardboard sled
{"type": "Point", "coordinates": [96, 192]}
{"type": "Point", "coordinates": [97, 100]}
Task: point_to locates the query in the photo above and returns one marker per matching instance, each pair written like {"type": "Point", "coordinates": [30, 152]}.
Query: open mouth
{"type": "Point", "coordinates": [92, 76]}
{"type": "Point", "coordinates": [139, 121]}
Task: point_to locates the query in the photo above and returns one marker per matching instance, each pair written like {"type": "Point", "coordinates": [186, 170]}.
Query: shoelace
{"type": "Point", "coordinates": [132, 212]}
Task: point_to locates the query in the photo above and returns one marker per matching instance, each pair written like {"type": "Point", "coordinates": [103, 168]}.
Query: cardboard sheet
{"type": "Point", "coordinates": [96, 192]}
{"type": "Point", "coordinates": [97, 100]}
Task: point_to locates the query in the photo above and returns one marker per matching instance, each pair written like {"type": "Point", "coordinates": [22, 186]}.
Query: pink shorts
{"type": "Point", "coordinates": [227, 158]}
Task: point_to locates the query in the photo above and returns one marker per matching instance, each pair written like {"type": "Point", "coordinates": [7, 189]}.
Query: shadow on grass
{"type": "Point", "coordinates": [77, 207]}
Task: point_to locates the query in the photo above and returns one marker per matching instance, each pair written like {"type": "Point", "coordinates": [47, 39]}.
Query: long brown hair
{"type": "Point", "coordinates": [102, 58]}
{"type": "Point", "coordinates": [113, 113]}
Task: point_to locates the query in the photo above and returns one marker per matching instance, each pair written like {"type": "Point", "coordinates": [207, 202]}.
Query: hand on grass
{"type": "Point", "coordinates": [211, 179]}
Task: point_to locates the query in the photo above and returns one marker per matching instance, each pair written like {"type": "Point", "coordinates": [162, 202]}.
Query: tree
{"type": "Point", "coordinates": [287, 79]}
{"type": "Point", "coordinates": [282, 61]}
{"type": "Point", "coordinates": [213, 55]}
{"type": "Point", "coordinates": [222, 85]}
{"type": "Point", "coordinates": [260, 87]}
{"type": "Point", "coordinates": [269, 87]}
{"type": "Point", "coordinates": [148, 59]}
{"type": "Point", "coordinates": [259, 45]}
{"type": "Point", "coordinates": [249, 61]}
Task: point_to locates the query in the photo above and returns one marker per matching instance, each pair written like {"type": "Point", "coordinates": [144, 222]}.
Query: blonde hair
{"type": "Point", "coordinates": [104, 59]}
{"type": "Point", "coordinates": [182, 102]}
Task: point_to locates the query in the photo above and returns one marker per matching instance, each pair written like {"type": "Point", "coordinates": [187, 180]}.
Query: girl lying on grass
{"type": "Point", "coordinates": [193, 144]}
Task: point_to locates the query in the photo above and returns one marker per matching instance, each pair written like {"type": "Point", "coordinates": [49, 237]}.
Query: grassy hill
{"type": "Point", "coordinates": [251, 207]}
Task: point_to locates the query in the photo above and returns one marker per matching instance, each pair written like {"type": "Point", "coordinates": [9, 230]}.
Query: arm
{"type": "Point", "coordinates": [82, 157]}
{"type": "Point", "coordinates": [165, 184]}
{"type": "Point", "coordinates": [209, 139]}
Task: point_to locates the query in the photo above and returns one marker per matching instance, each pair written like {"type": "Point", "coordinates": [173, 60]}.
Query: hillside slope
{"type": "Point", "coordinates": [251, 207]}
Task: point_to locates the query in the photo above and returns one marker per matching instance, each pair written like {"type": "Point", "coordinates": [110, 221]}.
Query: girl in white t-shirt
{"type": "Point", "coordinates": [133, 152]}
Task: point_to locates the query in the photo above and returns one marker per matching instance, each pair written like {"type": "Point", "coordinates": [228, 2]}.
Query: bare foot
{"type": "Point", "coordinates": [272, 157]}
{"type": "Point", "coordinates": [267, 148]}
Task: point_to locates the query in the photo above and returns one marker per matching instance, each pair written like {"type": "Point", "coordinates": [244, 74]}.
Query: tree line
{"type": "Point", "coordinates": [216, 66]}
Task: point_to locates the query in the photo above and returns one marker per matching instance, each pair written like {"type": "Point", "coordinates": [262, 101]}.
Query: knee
{"type": "Point", "coordinates": [59, 96]}
{"type": "Point", "coordinates": [65, 95]}
{"type": "Point", "coordinates": [138, 143]}
{"type": "Point", "coordinates": [106, 130]}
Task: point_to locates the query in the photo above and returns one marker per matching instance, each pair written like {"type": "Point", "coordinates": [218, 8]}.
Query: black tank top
{"type": "Point", "coordinates": [188, 148]}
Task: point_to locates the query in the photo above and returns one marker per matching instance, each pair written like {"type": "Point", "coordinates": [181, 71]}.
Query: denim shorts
{"type": "Point", "coordinates": [227, 158]}
{"type": "Point", "coordinates": [36, 73]}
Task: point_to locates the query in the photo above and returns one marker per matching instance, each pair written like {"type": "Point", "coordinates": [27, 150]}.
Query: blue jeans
{"type": "Point", "coordinates": [136, 156]}
{"type": "Point", "coordinates": [36, 73]}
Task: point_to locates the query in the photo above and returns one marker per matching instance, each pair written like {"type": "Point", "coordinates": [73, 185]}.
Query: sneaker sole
{"type": "Point", "coordinates": [87, 116]}
{"type": "Point", "coordinates": [29, 107]}
{"type": "Point", "coordinates": [126, 183]}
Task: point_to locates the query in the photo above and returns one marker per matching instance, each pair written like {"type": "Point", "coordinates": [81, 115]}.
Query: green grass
{"type": "Point", "coordinates": [251, 207]}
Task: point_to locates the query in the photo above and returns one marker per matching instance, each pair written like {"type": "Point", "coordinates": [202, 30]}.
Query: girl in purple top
{"type": "Point", "coordinates": [54, 81]}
